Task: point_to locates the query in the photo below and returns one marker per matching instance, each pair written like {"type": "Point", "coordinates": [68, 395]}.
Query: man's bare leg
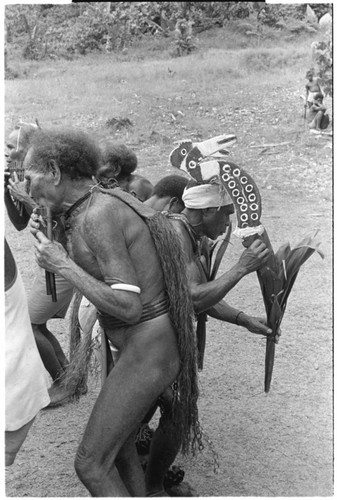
{"type": "Point", "coordinates": [163, 451]}
{"type": "Point", "coordinates": [164, 447]}
{"type": "Point", "coordinates": [129, 467]}
{"type": "Point", "coordinates": [47, 353]}
{"type": "Point", "coordinates": [147, 365]}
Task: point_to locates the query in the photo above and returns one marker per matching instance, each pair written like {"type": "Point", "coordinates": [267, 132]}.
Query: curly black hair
{"type": "Point", "coordinates": [171, 185]}
{"type": "Point", "coordinates": [118, 155]}
{"type": "Point", "coordinates": [74, 152]}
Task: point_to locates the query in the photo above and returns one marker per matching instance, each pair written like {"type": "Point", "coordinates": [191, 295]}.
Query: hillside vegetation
{"type": "Point", "coordinates": [244, 77]}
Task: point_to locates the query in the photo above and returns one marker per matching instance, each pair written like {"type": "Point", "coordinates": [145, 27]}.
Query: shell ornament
{"type": "Point", "coordinates": [205, 163]}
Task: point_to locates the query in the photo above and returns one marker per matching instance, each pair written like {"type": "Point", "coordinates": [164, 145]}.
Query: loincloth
{"type": "Point", "coordinates": [311, 96]}
{"type": "Point", "coordinates": [40, 305]}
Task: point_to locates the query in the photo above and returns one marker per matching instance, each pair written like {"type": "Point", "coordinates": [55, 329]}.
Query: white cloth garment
{"type": "Point", "coordinates": [26, 379]}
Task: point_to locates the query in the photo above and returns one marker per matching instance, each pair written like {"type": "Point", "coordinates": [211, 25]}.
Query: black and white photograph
{"type": "Point", "coordinates": [168, 259]}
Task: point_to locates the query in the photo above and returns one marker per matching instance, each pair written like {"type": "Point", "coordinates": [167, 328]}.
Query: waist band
{"type": "Point", "coordinates": [150, 311]}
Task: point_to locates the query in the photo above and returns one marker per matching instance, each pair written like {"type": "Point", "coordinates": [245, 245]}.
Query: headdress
{"type": "Point", "coordinates": [206, 163]}
{"type": "Point", "coordinates": [205, 196]}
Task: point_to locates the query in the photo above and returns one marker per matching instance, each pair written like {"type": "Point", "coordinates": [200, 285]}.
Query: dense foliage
{"type": "Point", "coordinates": [64, 30]}
{"type": "Point", "coordinates": [37, 32]}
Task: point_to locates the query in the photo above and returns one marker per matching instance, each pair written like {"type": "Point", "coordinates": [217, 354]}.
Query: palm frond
{"type": "Point", "coordinates": [276, 280]}
{"type": "Point", "coordinates": [283, 252]}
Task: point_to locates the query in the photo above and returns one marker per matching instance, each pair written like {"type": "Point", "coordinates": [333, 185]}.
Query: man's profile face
{"type": "Point", "coordinates": [15, 148]}
{"type": "Point", "coordinates": [41, 185]}
{"type": "Point", "coordinates": [216, 221]}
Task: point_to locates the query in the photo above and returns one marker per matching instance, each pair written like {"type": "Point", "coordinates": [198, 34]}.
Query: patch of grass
{"type": "Point", "coordinates": [212, 91]}
{"type": "Point", "coordinates": [273, 59]}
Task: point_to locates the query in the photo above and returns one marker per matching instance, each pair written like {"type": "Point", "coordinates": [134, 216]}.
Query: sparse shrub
{"type": "Point", "coordinates": [184, 42]}
{"type": "Point", "coordinates": [11, 74]}
{"type": "Point", "coordinates": [322, 57]}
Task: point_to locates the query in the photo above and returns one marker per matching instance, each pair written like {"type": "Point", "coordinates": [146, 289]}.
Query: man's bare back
{"type": "Point", "coordinates": [105, 226]}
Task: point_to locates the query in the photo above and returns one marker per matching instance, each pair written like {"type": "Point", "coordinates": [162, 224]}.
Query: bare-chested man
{"type": "Point", "coordinates": [311, 88]}
{"type": "Point", "coordinates": [114, 262]}
{"type": "Point", "coordinates": [206, 214]}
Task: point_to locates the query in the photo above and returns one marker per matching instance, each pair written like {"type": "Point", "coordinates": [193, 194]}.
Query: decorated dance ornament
{"type": "Point", "coordinates": [205, 163]}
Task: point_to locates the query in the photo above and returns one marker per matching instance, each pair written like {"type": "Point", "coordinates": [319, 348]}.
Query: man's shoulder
{"type": "Point", "coordinates": [184, 230]}
{"type": "Point", "coordinates": [102, 208]}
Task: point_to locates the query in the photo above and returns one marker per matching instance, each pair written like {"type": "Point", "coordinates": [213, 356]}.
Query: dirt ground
{"type": "Point", "coordinates": [276, 444]}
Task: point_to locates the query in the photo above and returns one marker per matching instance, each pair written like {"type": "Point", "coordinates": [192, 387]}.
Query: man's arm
{"type": "Point", "coordinates": [107, 245]}
{"type": "Point", "coordinates": [206, 295]}
{"type": "Point", "coordinates": [19, 220]}
{"type": "Point", "coordinates": [18, 191]}
{"type": "Point", "coordinates": [224, 312]}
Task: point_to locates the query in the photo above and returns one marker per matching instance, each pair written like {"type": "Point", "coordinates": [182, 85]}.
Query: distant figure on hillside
{"type": "Point", "coordinates": [312, 87]}
{"type": "Point", "coordinates": [317, 117]}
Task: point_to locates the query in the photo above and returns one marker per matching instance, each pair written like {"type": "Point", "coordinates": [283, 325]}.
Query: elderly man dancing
{"type": "Point", "coordinates": [142, 297]}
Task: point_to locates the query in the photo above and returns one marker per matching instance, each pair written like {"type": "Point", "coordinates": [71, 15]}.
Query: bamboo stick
{"type": "Point", "coordinates": [50, 277]}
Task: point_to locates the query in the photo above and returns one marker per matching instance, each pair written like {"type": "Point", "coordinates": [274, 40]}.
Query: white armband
{"type": "Point", "coordinates": [125, 287]}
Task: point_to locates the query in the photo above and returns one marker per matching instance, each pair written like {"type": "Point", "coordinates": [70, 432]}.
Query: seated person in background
{"type": "Point", "coordinates": [26, 379]}
{"type": "Point", "coordinates": [312, 87]}
{"type": "Point", "coordinates": [167, 194]}
{"type": "Point", "coordinates": [118, 163]}
{"type": "Point", "coordinates": [317, 117]}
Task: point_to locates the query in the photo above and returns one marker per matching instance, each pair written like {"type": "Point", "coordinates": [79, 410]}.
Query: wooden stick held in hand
{"type": "Point", "coordinates": [50, 277]}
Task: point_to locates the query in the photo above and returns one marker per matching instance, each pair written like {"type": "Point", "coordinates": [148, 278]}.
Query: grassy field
{"type": "Point", "coordinates": [275, 445]}
{"type": "Point", "coordinates": [251, 91]}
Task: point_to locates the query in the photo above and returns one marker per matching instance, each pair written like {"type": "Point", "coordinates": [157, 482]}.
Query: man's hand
{"type": "Point", "coordinates": [49, 254]}
{"type": "Point", "coordinates": [7, 177]}
{"type": "Point", "coordinates": [18, 189]}
{"type": "Point", "coordinates": [36, 223]}
{"type": "Point", "coordinates": [254, 257]}
{"type": "Point", "coordinates": [254, 325]}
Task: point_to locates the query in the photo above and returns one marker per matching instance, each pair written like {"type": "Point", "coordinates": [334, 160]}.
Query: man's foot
{"type": "Point", "coordinates": [182, 490]}
{"type": "Point", "coordinates": [143, 439]}
{"type": "Point", "coordinates": [173, 476]}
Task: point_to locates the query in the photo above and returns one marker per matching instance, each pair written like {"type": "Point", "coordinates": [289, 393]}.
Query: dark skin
{"type": "Point", "coordinates": [111, 241]}
{"type": "Point", "coordinates": [316, 114]}
{"type": "Point", "coordinates": [207, 297]}
{"type": "Point", "coordinates": [311, 86]}
{"type": "Point", "coordinates": [10, 266]}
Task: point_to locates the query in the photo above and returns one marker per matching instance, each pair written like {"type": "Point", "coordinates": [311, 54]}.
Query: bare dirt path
{"type": "Point", "coordinates": [278, 444]}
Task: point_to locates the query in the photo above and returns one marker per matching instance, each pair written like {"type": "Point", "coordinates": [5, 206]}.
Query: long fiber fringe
{"type": "Point", "coordinates": [185, 412]}
{"type": "Point", "coordinates": [75, 379]}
